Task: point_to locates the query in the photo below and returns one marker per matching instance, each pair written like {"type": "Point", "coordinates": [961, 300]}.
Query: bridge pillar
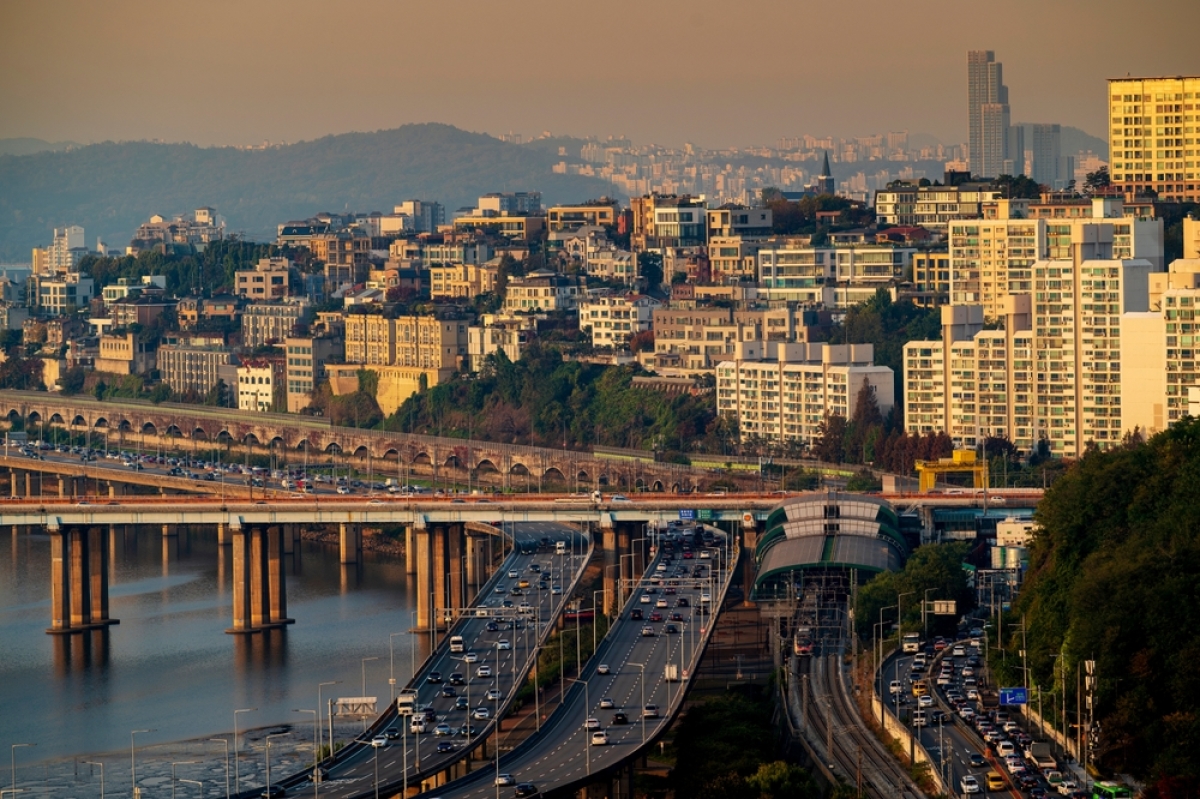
{"type": "Point", "coordinates": [627, 569]}
{"type": "Point", "coordinates": [260, 608]}
{"type": "Point", "coordinates": [288, 538]}
{"type": "Point", "coordinates": [115, 489]}
{"type": "Point", "coordinates": [29, 484]}
{"type": "Point", "coordinates": [241, 583]}
{"type": "Point", "coordinates": [60, 592]}
{"type": "Point", "coordinates": [277, 538]}
{"type": "Point", "coordinates": [608, 541]}
{"type": "Point", "coordinates": [63, 491]}
{"type": "Point", "coordinates": [351, 542]}
{"type": "Point", "coordinates": [475, 567]}
{"type": "Point", "coordinates": [14, 481]}
{"type": "Point", "coordinates": [424, 577]}
{"type": "Point", "coordinates": [78, 580]}
{"type": "Point", "coordinates": [98, 568]}
{"type": "Point", "coordinates": [170, 530]}
{"type": "Point", "coordinates": [441, 576]}
{"type": "Point", "coordinates": [410, 549]}
{"type": "Point", "coordinates": [457, 572]}
{"type": "Point", "coordinates": [223, 537]}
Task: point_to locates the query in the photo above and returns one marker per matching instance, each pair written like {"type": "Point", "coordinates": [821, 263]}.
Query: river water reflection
{"type": "Point", "coordinates": [169, 665]}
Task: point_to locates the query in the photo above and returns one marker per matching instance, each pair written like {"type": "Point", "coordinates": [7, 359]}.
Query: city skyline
{"type": "Point", "coordinates": [118, 74]}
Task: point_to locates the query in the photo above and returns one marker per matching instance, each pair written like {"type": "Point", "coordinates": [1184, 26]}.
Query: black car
{"type": "Point", "coordinates": [449, 692]}
{"type": "Point", "coordinates": [466, 731]}
{"type": "Point", "coordinates": [391, 733]}
{"type": "Point", "coordinates": [434, 678]}
{"type": "Point", "coordinates": [525, 789]}
{"type": "Point", "coordinates": [445, 746]}
{"type": "Point", "coordinates": [455, 679]}
{"type": "Point", "coordinates": [635, 614]}
{"type": "Point", "coordinates": [493, 627]}
{"type": "Point", "coordinates": [620, 718]}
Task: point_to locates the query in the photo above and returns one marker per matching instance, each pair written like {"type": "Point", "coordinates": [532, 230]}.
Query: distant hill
{"type": "Point", "coordinates": [27, 146]}
{"type": "Point", "coordinates": [111, 188]}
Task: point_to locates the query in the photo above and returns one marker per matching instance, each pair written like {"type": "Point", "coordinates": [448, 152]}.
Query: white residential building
{"type": "Point", "coordinates": [613, 318]}
{"type": "Point", "coordinates": [261, 386]}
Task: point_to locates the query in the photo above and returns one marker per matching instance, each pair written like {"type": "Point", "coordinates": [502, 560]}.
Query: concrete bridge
{"type": "Point", "coordinates": [200, 428]}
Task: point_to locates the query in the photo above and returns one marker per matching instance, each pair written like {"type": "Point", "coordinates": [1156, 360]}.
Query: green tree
{"type": "Point", "coordinates": [782, 780]}
{"type": "Point", "coordinates": [1018, 187]}
{"type": "Point", "coordinates": [71, 381]}
{"type": "Point", "coordinates": [831, 439]}
{"type": "Point", "coordinates": [651, 269]}
{"type": "Point", "coordinates": [933, 567]}
{"type": "Point", "coordinates": [1095, 181]}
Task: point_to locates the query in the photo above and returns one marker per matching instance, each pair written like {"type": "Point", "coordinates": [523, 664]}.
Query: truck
{"type": "Point", "coordinates": [406, 702]}
{"type": "Point", "coordinates": [1039, 753]}
{"type": "Point", "coordinates": [671, 672]}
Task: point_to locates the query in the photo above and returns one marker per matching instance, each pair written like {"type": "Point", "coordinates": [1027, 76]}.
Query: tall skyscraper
{"type": "Point", "coordinates": [1047, 150]}
{"type": "Point", "coordinates": [987, 114]}
{"type": "Point", "coordinates": [1148, 118]}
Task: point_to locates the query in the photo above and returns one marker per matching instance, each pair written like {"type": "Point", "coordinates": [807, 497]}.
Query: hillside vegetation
{"type": "Point", "coordinates": [111, 188]}
{"type": "Point", "coordinates": [1114, 576]}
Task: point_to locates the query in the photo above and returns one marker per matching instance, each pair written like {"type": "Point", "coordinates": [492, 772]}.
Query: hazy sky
{"type": "Point", "coordinates": [734, 72]}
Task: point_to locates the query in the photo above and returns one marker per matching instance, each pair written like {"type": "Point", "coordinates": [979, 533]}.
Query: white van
{"type": "Point", "coordinates": [456, 644]}
{"type": "Point", "coordinates": [417, 725]}
{"type": "Point", "coordinates": [560, 547]}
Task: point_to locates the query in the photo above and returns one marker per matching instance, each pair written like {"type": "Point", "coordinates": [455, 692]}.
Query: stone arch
{"type": "Point", "coordinates": [223, 437]}
{"type": "Point", "coordinates": [148, 427]}
{"type": "Point", "coordinates": [101, 423]}
{"type": "Point", "coordinates": [518, 469]}
{"type": "Point", "coordinates": [485, 466]}
{"type": "Point", "coordinates": [392, 455]}
{"type": "Point", "coordinates": [582, 476]}
{"type": "Point", "coordinates": [452, 462]}
{"type": "Point", "coordinates": [251, 440]}
{"type": "Point", "coordinates": [639, 484]}
{"type": "Point", "coordinates": [199, 434]}
{"type": "Point", "coordinates": [602, 480]}
{"type": "Point", "coordinates": [173, 431]}
{"type": "Point", "coordinates": [34, 417]}
{"type": "Point", "coordinates": [277, 441]}
{"type": "Point", "coordinates": [553, 474]}
{"type": "Point", "coordinates": [303, 446]}
{"type": "Point", "coordinates": [361, 452]}
{"type": "Point", "coordinates": [125, 426]}
{"type": "Point", "coordinates": [657, 487]}
{"type": "Point", "coordinates": [675, 488]}
{"type": "Point", "coordinates": [14, 415]}
{"type": "Point", "coordinates": [57, 419]}
{"type": "Point", "coordinates": [333, 448]}
{"type": "Point", "coordinates": [622, 481]}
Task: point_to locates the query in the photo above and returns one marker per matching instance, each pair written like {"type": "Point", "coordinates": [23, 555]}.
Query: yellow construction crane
{"type": "Point", "coordinates": [963, 460]}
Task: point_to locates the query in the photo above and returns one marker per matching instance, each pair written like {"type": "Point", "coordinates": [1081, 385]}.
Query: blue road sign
{"type": "Point", "coordinates": [687, 514]}
{"type": "Point", "coordinates": [1013, 696]}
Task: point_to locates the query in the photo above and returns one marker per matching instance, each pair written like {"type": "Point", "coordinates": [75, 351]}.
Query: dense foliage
{"type": "Point", "coordinates": [888, 326]}
{"type": "Point", "coordinates": [546, 401]}
{"type": "Point", "coordinates": [725, 748]}
{"type": "Point", "coordinates": [202, 274]}
{"type": "Point", "coordinates": [936, 568]}
{"type": "Point", "coordinates": [1115, 576]}
{"type": "Point", "coordinates": [111, 188]}
{"type": "Point", "coordinates": [800, 216]}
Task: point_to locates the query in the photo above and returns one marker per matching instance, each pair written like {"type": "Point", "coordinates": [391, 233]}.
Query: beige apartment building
{"type": "Point", "coordinates": [260, 386]}
{"type": "Point", "coordinates": [612, 319]}
{"type": "Point", "coordinates": [195, 363]}
{"type": "Point", "coordinates": [412, 341]}
{"type": "Point", "coordinates": [1152, 136]}
{"type": "Point", "coordinates": [932, 207]}
{"type": "Point", "coordinates": [931, 278]}
{"type": "Point", "coordinates": [782, 392]}
{"type": "Point", "coordinates": [692, 341]}
{"type": "Point", "coordinates": [993, 257]}
{"type": "Point", "coordinates": [462, 280]}
{"type": "Point", "coordinates": [268, 280]}
{"type": "Point", "coordinates": [667, 220]}
{"type": "Point", "coordinates": [269, 323]}
{"type": "Point", "coordinates": [306, 359]}
{"type": "Point", "coordinates": [598, 213]}
{"type": "Point", "coordinates": [542, 290]}
{"type": "Point", "coordinates": [123, 354]}
{"type": "Point", "coordinates": [518, 228]}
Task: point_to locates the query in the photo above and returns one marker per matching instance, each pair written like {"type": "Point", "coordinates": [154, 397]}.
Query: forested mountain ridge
{"type": "Point", "coordinates": [113, 187]}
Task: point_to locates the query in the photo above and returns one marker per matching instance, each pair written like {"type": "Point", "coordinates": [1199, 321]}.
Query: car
{"type": "Point", "coordinates": [513, 574]}
{"type": "Point", "coordinates": [650, 712]}
{"type": "Point", "coordinates": [644, 599]}
{"type": "Point", "coordinates": [274, 792]}
{"type": "Point", "coordinates": [391, 733]}
{"type": "Point", "coordinates": [455, 679]}
{"type": "Point", "coordinates": [525, 789]}
{"type": "Point", "coordinates": [977, 760]}
{"type": "Point", "coordinates": [895, 687]}
{"type": "Point", "coordinates": [494, 694]}
{"type": "Point", "coordinates": [500, 589]}
{"type": "Point", "coordinates": [602, 668]}
{"type": "Point", "coordinates": [656, 616]}
{"type": "Point", "coordinates": [417, 726]}
{"type": "Point", "coordinates": [505, 780]}
{"type": "Point", "coordinates": [620, 718]}
{"type": "Point", "coordinates": [503, 644]}
{"type": "Point", "coordinates": [599, 738]}
{"type": "Point", "coordinates": [676, 617]}
{"type": "Point", "coordinates": [662, 603]}
{"type": "Point", "coordinates": [492, 627]}
{"type": "Point", "coordinates": [461, 703]}
{"type": "Point", "coordinates": [466, 730]}
{"type": "Point", "coordinates": [482, 713]}
{"type": "Point", "coordinates": [434, 678]}
{"type": "Point", "coordinates": [607, 703]}
{"type": "Point", "coordinates": [636, 614]}
{"type": "Point", "coordinates": [968, 784]}
{"type": "Point", "coordinates": [556, 589]}
{"type": "Point", "coordinates": [470, 657]}
{"type": "Point", "coordinates": [442, 730]}
{"type": "Point", "coordinates": [445, 746]}
{"type": "Point", "coordinates": [318, 774]}
{"type": "Point", "coordinates": [647, 631]}
{"type": "Point", "coordinates": [379, 741]}
{"type": "Point", "coordinates": [925, 701]}
{"type": "Point", "coordinates": [449, 692]}
{"type": "Point", "coordinates": [1068, 787]}
{"type": "Point", "coordinates": [483, 671]}
{"type": "Point", "coordinates": [671, 629]}
{"type": "Point", "coordinates": [618, 498]}
{"type": "Point", "coordinates": [344, 489]}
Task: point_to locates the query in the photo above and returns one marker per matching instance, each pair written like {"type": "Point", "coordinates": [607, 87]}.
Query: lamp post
{"type": "Point", "coordinates": [642, 681]}
{"type": "Point", "coordinates": [224, 742]}
{"type": "Point", "coordinates": [320, 707]}
{"type": "Point", "coordinates": [237, 763]}
{"type": "Point", "coordinates": [197, 783]}
{"type": "Point", "coordinates": [173, 765]}
{"type": "Point", "coordinates": [101, 765]}
{"type": "Point", "coordinates": [316, 755]}
{"type": "Point", "coordinates": [587, 709]}
{"type": "Point", "coordinates": [925, 612]}
{"type": "Point", "coordinates": [133, 763]}
{"type": "Point", "coordinates": [900, 614]}
{"type": "Point", "coordinates": [364, 684]}
{"type": "Point", "coordinates": [268, 758]}
{"type": "Point", "coordinates": [392, 663]}
{"type": "Point", "coordinates": [13, 754]}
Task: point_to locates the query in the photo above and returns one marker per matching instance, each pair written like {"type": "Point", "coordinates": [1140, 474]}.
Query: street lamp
{"type": "Point", "coordinates": [364, 685]}
{"type": "Point", "coordinates": [642, 681]}
{"type": "Point", "coordinates": [173, 765]}
{"type": "Point", "coordinates": [925, 611]}
{"type": "Point", "coordinates": [316, 755]}
{"type": "Point", "coordinates": [320, 710]}
{"type": "Point", "coordinates": [392, 663]}
{"type": "Point", "coordinates": [269, 737]}
{"type": "Point", "coordinates": [900, 614]}
{"type": "Point", "coordinates": [587, 709]}
{"type": "Point", "coordinates": [13, 753]}
{"type": "Point", "coordinates": [133, 763]}
{"type": "Point", "coordinates": [197, 783]}
{"type": "Point", "coordinates": [237, 770]}
{"type": "Point", "coordinates": [101, 765]}
{"type": "Point", "coordinates": [225, 743]}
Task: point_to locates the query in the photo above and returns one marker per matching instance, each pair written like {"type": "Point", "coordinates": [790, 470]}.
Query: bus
{"type": "Point", "coordinates": [802, 642]}
{"type": "Point", "coordinates": [456, 644]}
{"type": "Point", "coordinates": [912, 642]}
{"type": "Point", "coordinates": [1110, 790]}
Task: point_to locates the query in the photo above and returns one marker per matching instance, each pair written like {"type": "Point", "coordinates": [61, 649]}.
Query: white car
{"type": "Point", "coordinates": [506, 779]}
{"type": "Point", "coordinates": [483, 671]}
{"type": "Point", "coordinates": [1067, 787]}
{"type": "Point", "coordinates": [925, 700]}
{"type": "Point", "coordinates": [494, 694]}
{"type": "Point", "coordinates": [591, 724]}
{"type": "Point", "coordinates": [470, 657]}
{"type": "Point", "coordinates": [895, 687]}
{"type": "Point", "coordinates": [599, 738]}
{"type": "Point", "coordinates": [602, 668]}
{"type": "Point", "coordinates": [969, 784]}
{"type": "Point", "coordinates": [513, 574]}
{"type": "Point", "coordinates": [607, 704]}
{"type": "Point", "coordinates": [482, 713]}
{"type": "Point", "coordinates": [644, 599]}
{"type": "Point", "coordinates": [379, 741]}
{"type": "Point", "coordinates": [503, 643]}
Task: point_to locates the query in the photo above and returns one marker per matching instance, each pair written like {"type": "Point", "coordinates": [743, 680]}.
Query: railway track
{"type": "Point", "coordinates": [836, 729]}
